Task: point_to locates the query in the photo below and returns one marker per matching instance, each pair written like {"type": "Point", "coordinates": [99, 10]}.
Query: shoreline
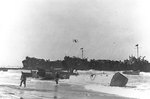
{"type": "Point", "coordinates": [101, 89]}
{"type": "Point", "coordinates": [74, 88]}
{"type": "Point", "coordinates": [90, 94]}
{"type": "Point", "coordinates": [61, 91]}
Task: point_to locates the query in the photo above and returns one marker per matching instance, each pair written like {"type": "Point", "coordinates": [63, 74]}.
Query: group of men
{"type": "Point", "coordinates": [24, 78]}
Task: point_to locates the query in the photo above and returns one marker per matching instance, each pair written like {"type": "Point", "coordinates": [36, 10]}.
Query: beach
{"type": "Point", "coordinates": [52, 91]}
{"type": "Point", "coordinates": [77, 87]}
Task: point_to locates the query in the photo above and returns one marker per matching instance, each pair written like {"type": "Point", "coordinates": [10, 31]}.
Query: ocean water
{"type": "Point", "coordinates": [36, 89]}
{"type": "Point", "coordinates": [138, 86]}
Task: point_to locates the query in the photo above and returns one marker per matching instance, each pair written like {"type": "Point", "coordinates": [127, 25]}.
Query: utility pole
{"type": "Point", "coordinates": [137, 45]}
{"type": "Point", "coordinates": [82, 52]}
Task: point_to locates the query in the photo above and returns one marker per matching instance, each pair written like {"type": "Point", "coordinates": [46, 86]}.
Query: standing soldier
{"type": "Point", "coordinates": [56, 77]}
{"type": "Point", "coordinates": [23, 79]}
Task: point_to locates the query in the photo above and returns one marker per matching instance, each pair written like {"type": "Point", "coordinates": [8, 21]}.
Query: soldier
{"type": "Point", "coordinates": [23, 79]}
{"type": "Point", "coordinates": [56, 77]}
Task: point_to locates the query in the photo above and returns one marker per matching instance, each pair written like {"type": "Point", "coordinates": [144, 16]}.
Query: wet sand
{"type": "Point", "coordinates": [61, 91]}
{"type": "Point", "coordinates": [78, 92]}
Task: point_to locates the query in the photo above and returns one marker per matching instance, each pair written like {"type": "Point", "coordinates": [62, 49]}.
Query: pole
{"type": "Point", "coordinates": [82, 52]}
{"type": "Point", "coordinates": [137, 50]}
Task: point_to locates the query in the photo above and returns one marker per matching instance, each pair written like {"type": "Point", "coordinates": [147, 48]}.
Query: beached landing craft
{"type": "Point", "coordinates": [131, 72]}
{"type": "Point", "coordinates": [31, 73]}
{"type": "Point", "coordinates": [50, 74]}
{"type": "Point", "coordinates": [118, 80]}
{"type": "Point", "coordinates": [3, 69]}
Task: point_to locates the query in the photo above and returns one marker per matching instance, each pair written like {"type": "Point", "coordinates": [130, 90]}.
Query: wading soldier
{"type": "Point", "coordinates": [23, 79]}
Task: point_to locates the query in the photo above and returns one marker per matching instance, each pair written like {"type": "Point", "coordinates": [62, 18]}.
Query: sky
{"type": "Point", "coordinates": [105, 29]}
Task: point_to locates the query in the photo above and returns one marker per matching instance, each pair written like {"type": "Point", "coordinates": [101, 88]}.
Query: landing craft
{"type": "Point", "coordinates": [50, 74]}
{"type": "Point", "coordinates": [131, 72]}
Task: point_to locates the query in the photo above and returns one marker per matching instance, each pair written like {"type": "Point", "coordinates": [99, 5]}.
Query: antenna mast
{"type": "Point", "coordinates": [82, 52]}
{"type": "Point", "coordinates": [137, 45]}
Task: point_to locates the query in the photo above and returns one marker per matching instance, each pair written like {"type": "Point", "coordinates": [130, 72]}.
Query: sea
{"type": "Point", "coordinates": [138, 86]}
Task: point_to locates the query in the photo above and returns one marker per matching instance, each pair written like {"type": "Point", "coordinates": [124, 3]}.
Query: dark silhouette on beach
{"type": "Point", "coordinates": [23, 79]}
{"type": "Point", "coordinates": [56, 77]}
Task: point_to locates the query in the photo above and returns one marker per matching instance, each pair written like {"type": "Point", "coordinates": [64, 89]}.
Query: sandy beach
{"type": "Point", "coordinates": [61, 91]}
{"type": "Point", "coordinates": [77, 87]}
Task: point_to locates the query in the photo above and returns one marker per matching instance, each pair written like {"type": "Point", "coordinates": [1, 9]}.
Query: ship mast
{"type": "Point", "coordinates": [82, 52]}
{"type": "Point", "coordinates": [137, 45]}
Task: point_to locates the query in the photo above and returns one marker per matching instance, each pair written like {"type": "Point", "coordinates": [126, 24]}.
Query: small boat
{"type": "Point", "coordinates": [32, 73]}
{"type": "Point", "coordinates": [50, 75]}
{"type": "Point", "coordinates": [4, 69]}
{"type": "Point", "coordinates": [131, 72]}
{"type": "Point", "coordinates": [27, 74]}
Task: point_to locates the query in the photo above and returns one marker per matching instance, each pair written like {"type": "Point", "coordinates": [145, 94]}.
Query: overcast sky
{"type": "Point", "coordinates": [106, 29]}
